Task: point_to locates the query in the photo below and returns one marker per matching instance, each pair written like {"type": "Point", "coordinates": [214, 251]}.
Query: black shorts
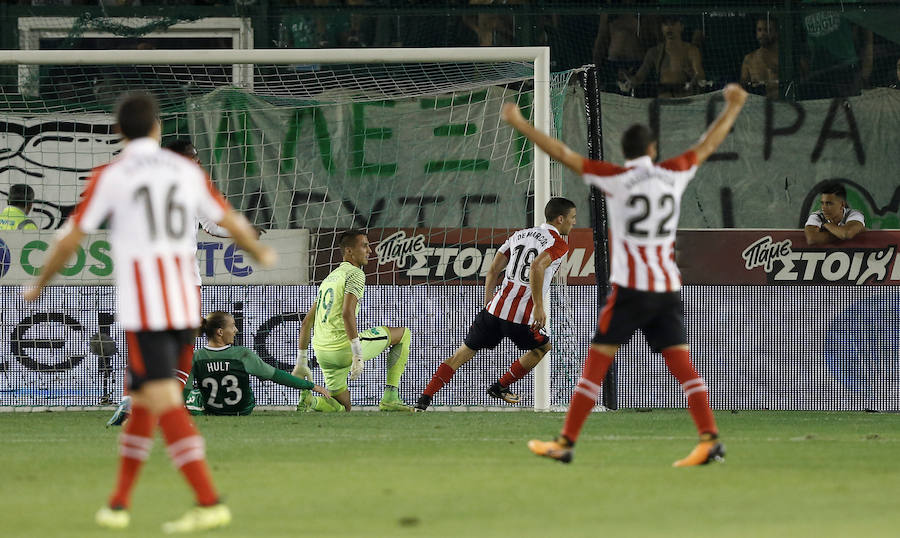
{"type": "Point", "coordinates": [660, 316]}
{"type": "Point", "coordinates": [157, 354]}
{"type": "Point", "coordinates": [487, 330]}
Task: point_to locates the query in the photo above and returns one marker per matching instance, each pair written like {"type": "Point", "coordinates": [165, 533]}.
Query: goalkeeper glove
{"type": "Point", "coordinates": [356, 366]}
{"type": "Point", "coordinates": [302, 368]}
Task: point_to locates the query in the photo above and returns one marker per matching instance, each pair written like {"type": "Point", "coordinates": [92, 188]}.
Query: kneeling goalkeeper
{"type": "Point", "coordinates": [340, 347]}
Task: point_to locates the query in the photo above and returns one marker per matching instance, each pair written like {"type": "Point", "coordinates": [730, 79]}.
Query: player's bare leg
{"type": "Point", "coordinates": [443, 375]}
{"type": "Point", "coordinates": [517, 370]}
{"type": "Point", "coordinates": [584, 398]}
{"type": "Point", "coordinates": [709, 449]}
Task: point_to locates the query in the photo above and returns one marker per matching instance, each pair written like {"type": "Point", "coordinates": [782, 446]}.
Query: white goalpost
{"type": "Point", "coordinates": [405, 140]}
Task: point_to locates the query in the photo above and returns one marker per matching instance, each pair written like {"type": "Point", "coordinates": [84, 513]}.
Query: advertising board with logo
{"type": "Point", "coordinates": [220, 261]}
{"type": "Point", "coordinates": [783, 258]}
{"type": "Point", "coordinates": [454, 256]}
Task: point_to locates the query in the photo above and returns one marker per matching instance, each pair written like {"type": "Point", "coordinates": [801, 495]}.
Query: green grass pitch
{"type": "Point", "coordinates": [469, 474]}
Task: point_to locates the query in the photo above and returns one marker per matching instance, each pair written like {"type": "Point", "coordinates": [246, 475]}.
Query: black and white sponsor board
{"type": "Point", "coordinates": [759, 347]}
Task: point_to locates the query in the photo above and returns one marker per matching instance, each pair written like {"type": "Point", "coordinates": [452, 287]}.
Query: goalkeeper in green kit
{"type": "Point", "coordinates": [222, 372]}
{"type": "Point", "coordinates": [340, 347]}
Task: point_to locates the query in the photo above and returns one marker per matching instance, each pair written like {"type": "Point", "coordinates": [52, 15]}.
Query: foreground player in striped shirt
{"type": "Point", "coordinates": [152, 198]}
{"type": "Point", "coordinates": [517, 312]}
{"type": "Point", "coordinates": [643, 200]}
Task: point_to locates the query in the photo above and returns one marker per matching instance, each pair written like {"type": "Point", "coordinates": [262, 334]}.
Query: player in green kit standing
{"type": "Point", "coordinates": [340, 348]}
{"type": "Point", "coordinates": [222, 372]}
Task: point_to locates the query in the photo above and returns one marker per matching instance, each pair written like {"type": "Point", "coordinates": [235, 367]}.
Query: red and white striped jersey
{"type": "Point", "coordinates": [514, 302]}
{"type": "Point", "coordinates": [643, 202]}
{"type": "Point", "coordinates": [152, 198]}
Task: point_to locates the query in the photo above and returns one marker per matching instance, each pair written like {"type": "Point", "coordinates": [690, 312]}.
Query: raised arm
{"type": "Point", "coordinates": [735, 96]}
{"type": "Point", "coordinates": [493, 276]}
{"type": "Point", "coordinates": [536, 283]}
{"type": "Point", "coordinates": [551, 146]}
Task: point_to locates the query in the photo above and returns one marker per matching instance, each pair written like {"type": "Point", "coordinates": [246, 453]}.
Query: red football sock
{"type": "Point", "coordinates": [679, 363]}
{"type": "Point", "coordinates": [135, 443]}
{"type": "Point", "coordinates": [516, 372]}
{"type": "Point", "coordinates": [186, 449]}
{"type": "Point", "coordinates": [587, 391]}
{"type": "Point", "coordinates": [440, 378]}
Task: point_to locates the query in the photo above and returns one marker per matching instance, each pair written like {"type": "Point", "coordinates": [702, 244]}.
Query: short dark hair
{"type": "Point", "coordinates": [213, 322]}
{"type": "Point", "coordinates": [136, 114]}
{"type": "Point", "coordinates": [20, 195]}
{"type": "Point", "coordinates": [557, 207]}
{"type": "Point", "coordinates": [835, 188]}
{"type": "Point", "coordinates": [348, 238]}
{"type": "Point", "coordinates": [180, 146]}
{"type": "Point", "coordinates": [636, 140]}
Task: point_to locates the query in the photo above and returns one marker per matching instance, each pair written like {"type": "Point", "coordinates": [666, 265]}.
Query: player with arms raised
{"type": "Point", "coordinates": [340, 347]}
{"type": "Point", "coordinates": [643, 201]}
{"type": "Point", "coordinates": [517, 312]}
{"type": "Point", "coordinates": [152, 198]}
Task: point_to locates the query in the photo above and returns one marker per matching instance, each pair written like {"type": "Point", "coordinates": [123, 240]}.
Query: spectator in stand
{"type": "Point", "coordinates": [493, 29]}
{"type": "Point", "coordinates": [676, 65]}
{"type": "Point", "coordinates": [620, 45]}
{"type": "Point", "coordinates": [835, 221]}
{"type": "Point", "coordinates": [19, 202]}
{"type": "Point", "coordinates": [759, 72]}
{"type": "Point", "coordinates": [840, 56]}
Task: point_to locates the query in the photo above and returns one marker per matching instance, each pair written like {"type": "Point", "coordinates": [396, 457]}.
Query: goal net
{"type": "Point", "coordinates": [306, 144]}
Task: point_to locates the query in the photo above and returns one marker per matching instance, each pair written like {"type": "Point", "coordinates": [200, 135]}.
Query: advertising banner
{"type": "Point", "coordinates": [219, 260]}
{"type": "Point", "coordinates": [395, 163]}
{"type": "Point", "coordinates": [454, 256]}
{"type": "Point", "coordinates": [782, 258]}
{"type": "Point", "coordinates": [758, 347]}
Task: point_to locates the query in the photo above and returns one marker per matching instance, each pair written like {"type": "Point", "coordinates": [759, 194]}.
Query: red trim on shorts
{"type": "Point", "coordinates": [142, 307]}
{"type": "Point", "coordinates": [135, 359]}
{"type": "Point", "coordinates": [665, 270]}
{"type": "Point", "coordinates": [607, 313]}
{"type": "Point", "coordinates": [163, 289]}
{"type": "Point", "coordinates": [515, 304]}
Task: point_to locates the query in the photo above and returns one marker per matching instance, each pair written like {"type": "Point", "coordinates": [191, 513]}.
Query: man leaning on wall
{"type": "Point", "coordinates": [835, 221]}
